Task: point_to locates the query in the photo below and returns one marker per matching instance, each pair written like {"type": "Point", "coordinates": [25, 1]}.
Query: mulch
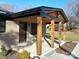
{"type": "Point", "coordinates": [66, 48]}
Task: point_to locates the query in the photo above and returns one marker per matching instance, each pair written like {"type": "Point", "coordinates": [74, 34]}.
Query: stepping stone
{"type": "Point", "coordinates": [66, 48]}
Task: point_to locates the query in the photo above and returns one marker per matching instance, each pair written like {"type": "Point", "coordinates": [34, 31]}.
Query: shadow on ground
{"type": "Point", "coordinates": [8, 39]}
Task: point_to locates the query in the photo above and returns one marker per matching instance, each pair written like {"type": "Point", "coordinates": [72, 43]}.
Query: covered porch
{"type": "Point", "coordinates": [34, 20]}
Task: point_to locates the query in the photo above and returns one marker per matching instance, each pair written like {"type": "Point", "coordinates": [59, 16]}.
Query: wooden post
{"type": "Point", "coordinates": [64, 35]}
{"type": "Point", "coordinates": [52, 34]}
{"type": "Point", "coordinates": [60, 32]}
{"type": "Point", "coordinates": [39, 35]}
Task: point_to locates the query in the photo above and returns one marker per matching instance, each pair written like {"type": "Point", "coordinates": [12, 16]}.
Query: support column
{"type": "Point", "coordinates": [60, 32]}
{"type": "Point", "coordinates": [39, 35]}
{"type": "Point", "coordinates": [52, 34]}
{"type": "Point", "coordinates": [64, 35]}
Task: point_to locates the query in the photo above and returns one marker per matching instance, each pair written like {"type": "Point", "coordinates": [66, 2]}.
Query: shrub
{"type": "Point", "coordinates": [4, 51]}
{"type": "Point", "coordinates": [24, 55]}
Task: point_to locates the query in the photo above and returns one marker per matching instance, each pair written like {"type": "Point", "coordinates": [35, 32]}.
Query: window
{"type": "Point", "coordinates": [2, 25]}
{"type": "Point", "coordinates": [33, 28]}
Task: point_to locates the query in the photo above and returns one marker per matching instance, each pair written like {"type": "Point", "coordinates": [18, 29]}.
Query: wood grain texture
{"type": "Point", "coordinates": [39, 35]}
{"type": "Point", "coordinates": [52, 34]}
{"type": "Point", "coordinates": [65, 29]}
{"type": "Point", "coordinates": [60, 32]}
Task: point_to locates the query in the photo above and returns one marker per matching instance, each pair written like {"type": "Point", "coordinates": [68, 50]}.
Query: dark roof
{"type": "Point", "coordinates": [33, 11]}
{"type": "Point", "coordinates": [5, 14]}
{"type": "Point", "coordinates": [38, 11]}
{"type": "Point", "coordinates": [42, 11]}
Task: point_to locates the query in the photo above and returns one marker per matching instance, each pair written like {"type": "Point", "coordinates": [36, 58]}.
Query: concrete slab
{"type": "Point", "coordinates": [45, 48]}
{"type": "Point", "coordinates": [75, 52]}
{"type": "Point", "coordinates": [54, 55]}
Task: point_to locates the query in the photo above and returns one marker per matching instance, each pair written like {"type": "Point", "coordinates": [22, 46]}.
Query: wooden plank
{"type": "Point", "coordinates": [32, 19]}
{"type": "Point", "coordinates": [46, 20]}
{"type": "Point", "coordinates": [39, 35]}
{"type": "Point", "coordinates": [60, 16]}
{"type": "Point", "coordinates": [66, 48]}
{"type": "Point", "coordinates": [60, 32]}
{"type": "Point", "coordinates": [52, 34]}
{"type": "Point", "coordinates": [55, 13]}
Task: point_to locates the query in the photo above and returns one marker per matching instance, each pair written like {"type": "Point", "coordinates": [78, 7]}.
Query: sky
{"type": "Point", "coordinates": [24, 4]}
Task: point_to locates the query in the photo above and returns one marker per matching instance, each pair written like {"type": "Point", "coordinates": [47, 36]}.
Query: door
{"type": "Point", "coordinates": [22, 32]}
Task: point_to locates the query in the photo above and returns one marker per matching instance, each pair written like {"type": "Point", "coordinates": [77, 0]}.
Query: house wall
{"type": "Point", "coordinates": [10, 38]}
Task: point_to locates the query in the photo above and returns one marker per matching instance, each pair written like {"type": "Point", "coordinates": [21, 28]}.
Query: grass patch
{"type": "Point", "coordinates": [72, 37]}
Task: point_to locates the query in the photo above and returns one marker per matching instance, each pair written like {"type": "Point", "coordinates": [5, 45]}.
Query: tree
{"type": "Point", "coordinates": [72, 12]}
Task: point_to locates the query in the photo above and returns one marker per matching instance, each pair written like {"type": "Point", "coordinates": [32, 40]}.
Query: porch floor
{"type": "Point", "coordinates": [49, 53]}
